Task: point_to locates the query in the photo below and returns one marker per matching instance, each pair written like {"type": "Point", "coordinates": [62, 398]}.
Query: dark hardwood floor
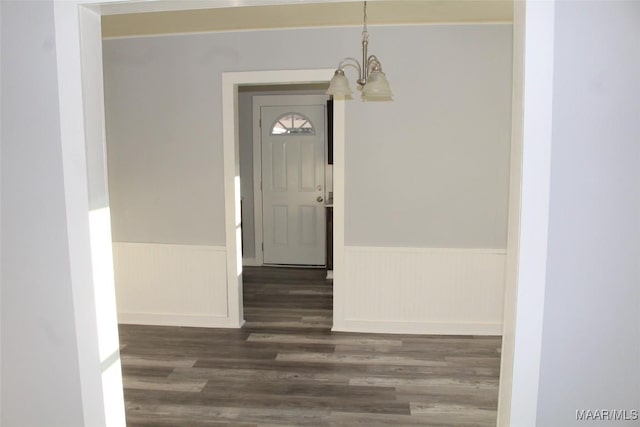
{"type": "Point", "coordinates": [286, 367]}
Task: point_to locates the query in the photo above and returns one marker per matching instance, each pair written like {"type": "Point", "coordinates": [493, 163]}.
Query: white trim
{"type": "Point", "coordinates": [409, 249]}
{"type": "Point", "coordinates": [117, 7]}
{"type": "Point", "coordinates": [250, 262]}
{"type": "Point", "coordinates": [174, 245]}
{"type": "Point", "coordinates": [294, 28]}
{"type": "Point", "coordinates": [80, 89]}
{"type": "Point", "coordinates": [232, 197]}
{"type": "Point", "coordinates": [429, 328]}
{"type": "Point", "coordinates": [339, 136]}
{"type": "Point", "coordinates": [518, 401]}
{"type": "Point", "coordinates": [258, 101]}
{"type": "Point", "coordinates": [513, 227]}
{"type": "Point", "coordinates": [1, 235]}
{"type": "Point", "coordinates": [230, 83]}
{"type": "Point", "coordinates": [173, 319]}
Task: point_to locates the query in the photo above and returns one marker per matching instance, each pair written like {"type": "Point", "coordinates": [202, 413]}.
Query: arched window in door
{"type": "Point", "coordinates": [292, 124]}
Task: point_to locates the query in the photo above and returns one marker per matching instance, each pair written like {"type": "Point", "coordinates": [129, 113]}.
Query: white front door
{"type": "Point", "coordinates": [293, 166]}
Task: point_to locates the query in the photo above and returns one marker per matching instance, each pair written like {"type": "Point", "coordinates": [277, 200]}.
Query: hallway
{"type": "Point", "coordinates": [286, 367]}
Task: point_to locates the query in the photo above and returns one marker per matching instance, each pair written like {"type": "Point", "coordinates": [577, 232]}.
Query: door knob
{"type": "Point", "coordinates": [319, 199]}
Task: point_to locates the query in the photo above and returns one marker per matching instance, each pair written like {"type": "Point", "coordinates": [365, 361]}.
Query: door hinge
{"type": "Point", "coordinates": [262, 246]}
{"type": "Point", "coordinates": [260, 123]}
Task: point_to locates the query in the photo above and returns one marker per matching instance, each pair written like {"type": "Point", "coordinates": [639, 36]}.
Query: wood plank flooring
{"type": "Point", "coordinates": [286, 368]}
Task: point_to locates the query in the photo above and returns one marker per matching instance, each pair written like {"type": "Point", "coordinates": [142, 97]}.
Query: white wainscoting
{"type": "Point", "coordinates": [423, 291]}
{"type": "Point", "coordinates": [178, 285]}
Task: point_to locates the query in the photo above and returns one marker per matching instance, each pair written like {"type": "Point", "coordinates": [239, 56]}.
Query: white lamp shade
{"type": "Point", "coordinates": [377, 87]}
{"type": "Point", "coordinates": [339, 85]}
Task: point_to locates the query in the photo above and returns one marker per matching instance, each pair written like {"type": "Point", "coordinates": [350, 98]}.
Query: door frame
{"type": "Point", "coordinates": [233, 221]}
{"type": "Point", "coordinates": [265, 100]}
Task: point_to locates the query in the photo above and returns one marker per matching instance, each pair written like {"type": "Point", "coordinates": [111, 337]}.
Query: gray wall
{"type": "Point", "coordinates": [429, 169]}
{"type": "Point", "coordinates": [590, 347]}
{"type": "Point", "coordinates": [164, 142]}
{"type": "Point", "coordinates": [40, 373]}
{"type": "Point", "coordinates": [432, 168]}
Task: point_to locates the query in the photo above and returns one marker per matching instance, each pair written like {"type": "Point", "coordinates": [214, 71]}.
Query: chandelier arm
{"type": "Point", "coordinates": [352, 62]}
{"type": "Point", "coordinates": [373, 64]}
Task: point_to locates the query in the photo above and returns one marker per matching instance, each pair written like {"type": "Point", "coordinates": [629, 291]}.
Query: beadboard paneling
{"type": "Point", "coordinates": [430, 291]}
{"type": "Point", "coordinates": [180, 285]}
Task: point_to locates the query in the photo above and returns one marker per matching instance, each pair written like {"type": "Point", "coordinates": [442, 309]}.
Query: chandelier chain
{"type": "Point", "coordinates": [371, 80]}
{"type": "Point", "coordinates": [365, 33]}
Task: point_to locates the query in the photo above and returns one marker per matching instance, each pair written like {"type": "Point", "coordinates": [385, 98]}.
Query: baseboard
{"type": "Point", "coordinates": [250, 262]}
{"type": "Point", "coordinates": [171, 319]}
{"type": "Point", "coordinates": [418, 328]}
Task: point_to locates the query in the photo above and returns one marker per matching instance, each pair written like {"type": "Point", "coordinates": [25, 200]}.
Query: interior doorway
{"type": "Point", "coordinates": [232, 83]}
{"type": "Point", "coordinates": [285, 177]}
{"type": "Point", "coordinates": [285, 181]}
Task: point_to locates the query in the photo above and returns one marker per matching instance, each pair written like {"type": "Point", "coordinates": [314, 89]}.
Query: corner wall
{"type": "Point", "coordinates": [39, 337]}
{"type": "Point", "coordinates": [591, 334]}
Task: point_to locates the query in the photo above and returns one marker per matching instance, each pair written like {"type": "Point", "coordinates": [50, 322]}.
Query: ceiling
{"type": "Point", "coordinates": [331, 14]}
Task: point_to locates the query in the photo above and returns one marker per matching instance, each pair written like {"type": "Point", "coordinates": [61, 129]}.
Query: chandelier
{"type": "Point", "coordinates": [371, 80]}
